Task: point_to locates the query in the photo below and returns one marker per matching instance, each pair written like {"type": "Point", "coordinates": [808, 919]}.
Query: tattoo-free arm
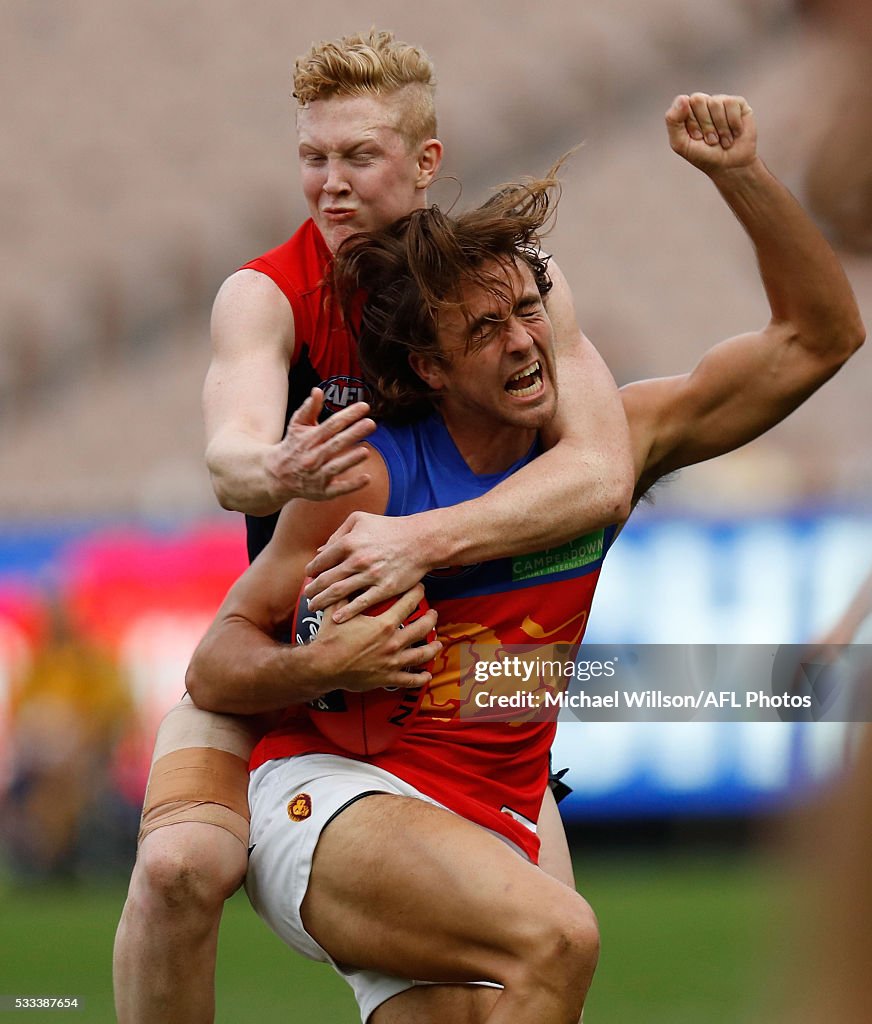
{"type": "Point", "coordinates": [240, 667]}
{"type": "Point", "coordinates": [747, 384]}
{"type": "Point", "coordinates": [255, 464]}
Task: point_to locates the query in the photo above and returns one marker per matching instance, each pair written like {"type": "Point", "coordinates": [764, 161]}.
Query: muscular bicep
{"type": "Point", "coordinates": [586, 389]}
{"type": "Point", "coordinates": [246, 390]}
{"type": "Point", "coordinates": [739, 389]}
{"type": "Point", "coordinates": [572, 350]}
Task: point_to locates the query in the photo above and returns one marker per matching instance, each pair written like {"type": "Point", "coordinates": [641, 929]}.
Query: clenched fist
{"type": "Point", "coordinates": [712, 132]}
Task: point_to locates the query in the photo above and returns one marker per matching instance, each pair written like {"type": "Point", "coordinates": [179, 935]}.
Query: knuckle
{"type": "Point", "coordinates": [397, 642]}
{"type": "Point", "coordinates": [358, 563]}
{"type": "Point", "coordinates": [386, 631]}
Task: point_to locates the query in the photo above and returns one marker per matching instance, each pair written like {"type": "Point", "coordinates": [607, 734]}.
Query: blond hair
{"type": "Point", "coordinates": [375, 64]}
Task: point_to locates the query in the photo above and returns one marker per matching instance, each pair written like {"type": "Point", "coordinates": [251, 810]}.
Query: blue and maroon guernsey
{"type": "Point", "coordinates": [492, 772]}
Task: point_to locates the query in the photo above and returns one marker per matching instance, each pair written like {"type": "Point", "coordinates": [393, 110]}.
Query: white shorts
{"type": "Point", "coordinates": [292, 800]}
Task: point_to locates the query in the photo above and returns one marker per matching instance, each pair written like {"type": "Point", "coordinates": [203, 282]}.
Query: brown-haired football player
{"type": "Point", "coordinates": [413, 871]}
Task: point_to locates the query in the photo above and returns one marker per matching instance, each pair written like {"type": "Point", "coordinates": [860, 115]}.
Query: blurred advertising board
{"type": "Point", "coordinates": [681, 580]}
{"type": "Point", "coordinates": [146, 596]}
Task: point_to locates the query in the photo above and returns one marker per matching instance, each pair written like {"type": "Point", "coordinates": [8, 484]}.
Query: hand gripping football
{"type": "Point", "coordinates": [361, 723]}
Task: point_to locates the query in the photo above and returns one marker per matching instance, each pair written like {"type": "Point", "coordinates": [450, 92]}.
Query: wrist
{"type": "Point", "coordinates": [310, 670]}
{"type": "Point", "coordinates": [433, 540]}
{"type": "Point", "coordinates": [275, 491]}
{"type": "Point", "coordinates": [740, 177]}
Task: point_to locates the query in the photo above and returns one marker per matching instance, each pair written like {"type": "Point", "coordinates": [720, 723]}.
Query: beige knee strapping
{"type": "Point", "coordinates": [198, 784]}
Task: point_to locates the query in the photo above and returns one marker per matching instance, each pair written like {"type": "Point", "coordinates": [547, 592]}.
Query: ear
{"type": "Point", "coordinates": [429, 160]}
{"type": "Point", "coordinates": [428, 370]}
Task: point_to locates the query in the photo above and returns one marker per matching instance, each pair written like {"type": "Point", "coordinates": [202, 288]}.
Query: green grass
{"type": "Point", "coordinates": [684, 940]}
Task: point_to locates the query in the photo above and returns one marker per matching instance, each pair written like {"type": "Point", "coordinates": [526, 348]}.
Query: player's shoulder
{"type": "Point", "coordinates": [248, 290]}
{"type": "Point", "coordinates": [401, 442]}
{"type": "Point", "coordinates": [252, 304]}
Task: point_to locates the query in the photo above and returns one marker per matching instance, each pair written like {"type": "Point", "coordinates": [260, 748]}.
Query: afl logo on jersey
{"type": "Point", "coordinates": [340, 392]}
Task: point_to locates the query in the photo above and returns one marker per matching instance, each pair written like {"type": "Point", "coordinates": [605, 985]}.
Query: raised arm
{"type": "Point", "coordinates": [255, 464]}
{"type": "Point", "coordinates": [242, 667]}
{"type": "Point", "coordinates": [582, 482]}
{"type": "Point", "coordinates": [747, 384]}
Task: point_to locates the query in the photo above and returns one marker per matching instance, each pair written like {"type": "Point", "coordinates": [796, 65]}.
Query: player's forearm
{"type": "Point", "coordinates": [804, 281]}
{"type": "Point", "coordinates": [583, 482]}
{"type": "Point", "coordinates": [562, 495]}
{"type": "Point", "coordinates": [238, 669]}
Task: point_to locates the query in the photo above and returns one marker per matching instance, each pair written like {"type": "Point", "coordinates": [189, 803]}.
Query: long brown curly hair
{"type": "Point", "coordinates": [395, 283]}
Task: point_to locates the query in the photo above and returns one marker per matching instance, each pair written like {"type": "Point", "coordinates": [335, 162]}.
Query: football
{"type": "Point", "coordinates": [361, 723]}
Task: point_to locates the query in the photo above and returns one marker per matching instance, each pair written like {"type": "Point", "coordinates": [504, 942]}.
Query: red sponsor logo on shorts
{"type": "Point", "coordinates": [300, 807]}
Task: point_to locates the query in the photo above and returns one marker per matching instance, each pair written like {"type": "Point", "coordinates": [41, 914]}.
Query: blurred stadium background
{"type": "Point", "coordinates": [150, 152]}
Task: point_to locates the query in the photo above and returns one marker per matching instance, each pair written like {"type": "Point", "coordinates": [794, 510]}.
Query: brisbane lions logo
{"type": "Point", "coordinates": [340, 392]}
{"type": "Point", "coordinates": [300, 807]}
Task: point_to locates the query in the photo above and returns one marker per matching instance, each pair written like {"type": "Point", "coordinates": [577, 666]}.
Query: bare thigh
{"type": "Point", "coordinates": [436, 1004]}
{"type": "Point", "coordinates": [405, 888]}
{"type": "Point", "coordinates": [186, 725]}
{"type": "Point", "coordinates": [199, 776]}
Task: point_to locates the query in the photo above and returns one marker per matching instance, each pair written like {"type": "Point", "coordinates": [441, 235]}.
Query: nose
{"type": "Point", "coordinates": [517, 337]}
{"type": "Point", "coordinates": [335, 183]}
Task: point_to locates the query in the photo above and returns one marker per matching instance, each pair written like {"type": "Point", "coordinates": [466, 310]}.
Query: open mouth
{"type": "Point", "coordinates": [525, 382]}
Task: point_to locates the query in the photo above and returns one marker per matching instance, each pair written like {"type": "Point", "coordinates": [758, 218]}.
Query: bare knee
{"type": "Point", "coordinates": [559, 950]}
{"type": "Point", "coordinates": [188, 868]}
{"type": "Point", "coordinates": [571, 939]}
{"type": "Point", "coordinates": [580, 935]}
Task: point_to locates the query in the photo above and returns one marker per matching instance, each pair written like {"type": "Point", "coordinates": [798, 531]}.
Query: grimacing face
{"type": "Point", "coordinates": [499, 379]}
{"type": "Point", "coordinates": [358, 172]}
